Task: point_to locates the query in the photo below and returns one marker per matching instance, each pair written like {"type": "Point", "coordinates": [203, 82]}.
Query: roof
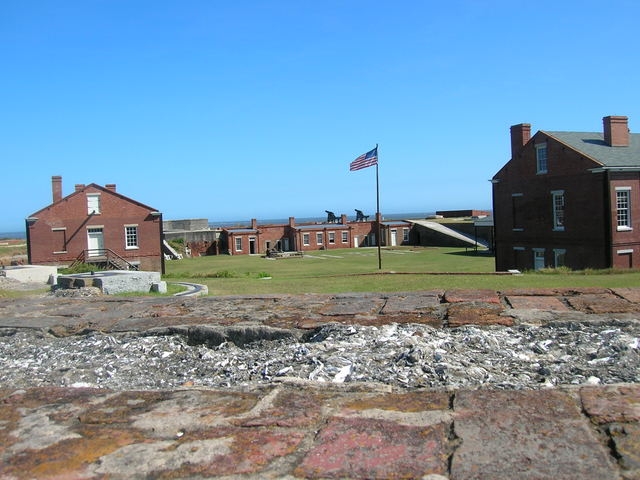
{"type": "Point", "coordinates": [320, 226]}
{"type": "Point", "coordinates": [592, 145]}
{"type": "Point", "coordinates": [443, 229]}
{"type": "Point", "coordinates": [240, 230]}
{"type": "Point", "coordinates": [80, 191]}
{"type": "Point", "coordinates": [392, 223]}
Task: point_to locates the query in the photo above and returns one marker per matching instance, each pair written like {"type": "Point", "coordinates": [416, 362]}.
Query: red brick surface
{"type": "Point", "coordinates": [330, 432]}
{"type": "Point", "coordinates": [366, 448]}
{"type": "Point", "coordinates": [525, 435]}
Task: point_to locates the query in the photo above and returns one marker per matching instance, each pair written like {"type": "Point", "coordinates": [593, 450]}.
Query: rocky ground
{"type": "Point", "coordinates": [406, 355]}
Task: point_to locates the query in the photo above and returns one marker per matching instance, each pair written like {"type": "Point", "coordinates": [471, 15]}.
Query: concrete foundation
{"type": "Point", "coordinates": [30, 273]}
{"type": "Point", "coordinates": [115, 281]}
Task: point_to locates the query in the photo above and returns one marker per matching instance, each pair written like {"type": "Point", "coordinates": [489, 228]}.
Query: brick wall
{"type": "Point", "coordinates": [65, 223]}
{"type": "Point", "coordinates": [523, 211]}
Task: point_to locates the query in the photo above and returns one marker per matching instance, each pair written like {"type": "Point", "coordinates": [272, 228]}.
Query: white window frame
{"type": "Point", "coordinates": [305, 239]}
{"type": "Point", "coordinates": [93, 204]}
{"type": "Point", "coordinates": [319, 238]}
{"type": "Point", "coordinates": [623, 215]}
{"type": "Point", "coordinates": [345, 236]}
{"type": "Point", "coordinates": [405, 235]}
{"type": "Point", "coordinates": [558, 204]}
{"type": "Point", "coordinates": [133, 237]}
{"type": "Point", "coordinates": [237, 244]}
{"type": "Point", "coordinates": [557, 254]}
{"type": "Point", "coordinates": [542, 160]}
{"type": "Point", "coordinates": [332, 238]}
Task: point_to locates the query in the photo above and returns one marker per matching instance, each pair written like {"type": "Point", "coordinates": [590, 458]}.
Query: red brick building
{"type": "Point", "coordinates": [259, 239]}
{"type": "Point", "coordinates": [97, 225]}
{"type": "Point", "coordinates": [569, 199]}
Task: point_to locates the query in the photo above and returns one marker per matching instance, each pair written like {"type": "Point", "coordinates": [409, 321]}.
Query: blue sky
{"type": "Point", "coordinates": [254, 109]}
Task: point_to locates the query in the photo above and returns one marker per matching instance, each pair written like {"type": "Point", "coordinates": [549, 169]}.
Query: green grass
{"type": "Point", "coordinates": [356, 270]}
{"type": "Point", "coordinates": [18, 294]}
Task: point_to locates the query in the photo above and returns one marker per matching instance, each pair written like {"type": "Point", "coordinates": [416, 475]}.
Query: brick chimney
{"type": "Point", "coordinates": [616, 131]}
{"type": "Point", "coordinates": [56, 188]}
{"type": "Point", "coordinates": [79, 187]}
{"type": "Point", "coordinates": [254, 224]}
{"type": "Point", "coordinates": [520, 135]}
{"type": "Point", "coordinates": [110, 186]}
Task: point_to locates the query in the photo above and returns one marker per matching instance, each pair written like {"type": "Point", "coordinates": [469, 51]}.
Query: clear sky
{"type": "Point", "coordinates": [254, 109]}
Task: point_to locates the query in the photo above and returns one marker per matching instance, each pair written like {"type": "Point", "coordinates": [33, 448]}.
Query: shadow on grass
{"type": "Point", "coordinates": [471, 253]}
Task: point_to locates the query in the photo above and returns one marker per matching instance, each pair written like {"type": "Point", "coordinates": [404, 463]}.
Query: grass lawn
{"type": "Point", "coordinates": [356, 270]}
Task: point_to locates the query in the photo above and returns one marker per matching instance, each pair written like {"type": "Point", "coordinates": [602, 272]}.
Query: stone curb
{"type": "Point", "coordinates": [450, 308]}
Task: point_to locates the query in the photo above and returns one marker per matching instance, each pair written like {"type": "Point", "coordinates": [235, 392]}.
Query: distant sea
{"type": "Point", "coordinates": [12, 235]}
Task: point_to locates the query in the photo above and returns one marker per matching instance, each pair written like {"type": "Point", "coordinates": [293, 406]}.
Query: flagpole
{"type": "Point", "coordinates": [378, 217]}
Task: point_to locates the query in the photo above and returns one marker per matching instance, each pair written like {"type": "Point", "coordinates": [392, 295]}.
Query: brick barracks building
{"type": "Point", "coordinates": [95, 224]}
{"type": "Point", "coordinates": [569, 199]}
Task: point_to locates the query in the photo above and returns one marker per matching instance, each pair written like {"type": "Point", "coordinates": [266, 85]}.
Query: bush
{"type": "Point", "coordinates": [553, 270]}
{"type": "Point", "coordinates": [224, 274]}
{"type": "Point", "coordinates": [79, 268]}
{"type": "Point", "coordinates": [178, 245]}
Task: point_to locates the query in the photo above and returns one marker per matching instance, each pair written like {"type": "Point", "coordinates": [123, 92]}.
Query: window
{"type": "Point", "coordinates": [93, 203]}
{"type": "Point", "coordinates": [131, 236]}
{"type": "Point", "coordinates": [238, 242]}
{"type": "Point", "coordinates": [538, 258]}
{"type": "Point", "coordinates": [59, 240]}
{"type": "Point", "coordinates": [519, 258]}
{"type": "Point", "coordinates": [625, 258]}
{"type": "Point", "coordinates": [558, 209]}
{"type": "Point", "coordinates": [558, 257]}
{"type": "Point", "coordinates": [405, 235]}
{"type": "Point", "coordinates": [623, 208]}
{"type": "Point", "coordinates": [332, 237]}
{"type": "Point", "coordinates": [541, 158]}
{"type": "Point", "coordinates": [345, 236]}
{"type": "Point", "coordinates": [516, 209]}
{"type": "Point", "coordinates": [319, 238]}
{"type": "Point", "coordinates": [305, 239]}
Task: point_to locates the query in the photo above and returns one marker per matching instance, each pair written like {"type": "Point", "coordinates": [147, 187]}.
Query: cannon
{"type": "Point", "coordinates": [361, 217]}
{"type": "Point", "coordinates": [331, 217]}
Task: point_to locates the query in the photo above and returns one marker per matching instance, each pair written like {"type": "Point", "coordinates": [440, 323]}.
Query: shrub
{"type": "Point", "coordinates": [178, 245]}
{"type": "Point", "coordinates": [79, 268]}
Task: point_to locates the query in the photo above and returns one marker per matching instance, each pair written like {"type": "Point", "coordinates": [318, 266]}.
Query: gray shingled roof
{"type": "Point", "coordinates": [592, 145]}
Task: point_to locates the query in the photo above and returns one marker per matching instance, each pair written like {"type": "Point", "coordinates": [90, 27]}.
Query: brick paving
{"type": "Point", "coordinates": [297, 429]}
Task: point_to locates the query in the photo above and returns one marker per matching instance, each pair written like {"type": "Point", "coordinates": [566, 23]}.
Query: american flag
{"type": "Point", "coordinates": [365, 160]}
